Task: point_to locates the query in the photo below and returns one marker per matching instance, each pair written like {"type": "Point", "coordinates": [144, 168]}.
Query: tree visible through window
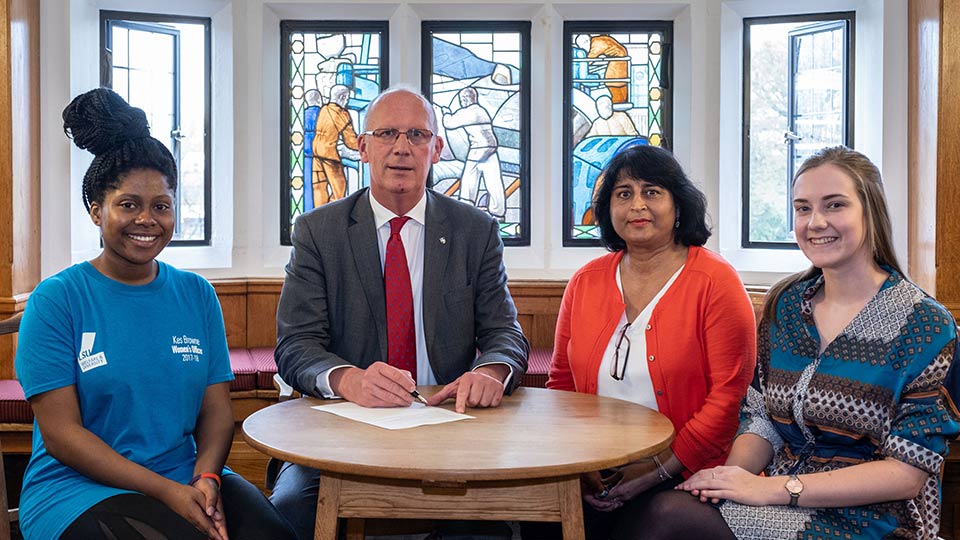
{"type": "Point", "coordinates": [330, 72]}
{"type": "Point", "coordinates": [617, 95]}
{"type": "Point", "coordinates": [798, 88]}
{"type": "Point", "coordinates": [477, 76]}
{"type": "Point", "coordinates": [142, 61]}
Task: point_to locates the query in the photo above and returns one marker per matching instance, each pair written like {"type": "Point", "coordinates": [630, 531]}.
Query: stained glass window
{"type": "Point", "coordinates": [331, 70]}
{"type": "Point", "coordinates": [477, 76]}
{"type": "Point", "coordinates": [616, 79]}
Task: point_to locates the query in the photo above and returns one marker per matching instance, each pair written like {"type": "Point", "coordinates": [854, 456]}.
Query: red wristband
{"type": "Point", "coordinates": [210, 475]}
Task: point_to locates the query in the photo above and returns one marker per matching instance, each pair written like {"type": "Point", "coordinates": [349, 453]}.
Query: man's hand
{"type": "Point", "coordinates": [482, 387]}
{"type": "Point", "coordinates": [380, 385]}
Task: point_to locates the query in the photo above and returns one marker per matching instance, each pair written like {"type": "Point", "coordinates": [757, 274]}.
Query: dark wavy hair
{"type": "Point", "coordinates": [659, 167]}
{"type": "Point", "coordinates": [118, 135]}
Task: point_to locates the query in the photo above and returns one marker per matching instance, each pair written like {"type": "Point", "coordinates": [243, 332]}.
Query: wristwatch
{"type": "Point", "coordinates": [794, 487]}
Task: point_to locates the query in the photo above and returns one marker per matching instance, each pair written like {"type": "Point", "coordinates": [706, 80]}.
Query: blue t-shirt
{"type": "Point", "coordinates": [141, 358]}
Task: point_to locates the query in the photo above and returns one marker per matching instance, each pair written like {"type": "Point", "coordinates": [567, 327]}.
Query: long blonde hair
{"type": "Point", "coordinates": [869, 186]}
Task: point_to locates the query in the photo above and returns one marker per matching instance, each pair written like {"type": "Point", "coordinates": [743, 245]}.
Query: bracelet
{"type": "Point", "coordinates": [210, 475]}
{"type": "Point", "coordinates": [661, 470]}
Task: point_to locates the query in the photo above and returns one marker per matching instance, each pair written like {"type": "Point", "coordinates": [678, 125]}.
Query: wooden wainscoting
{"type": "Point", "coordinates": [250, 309]}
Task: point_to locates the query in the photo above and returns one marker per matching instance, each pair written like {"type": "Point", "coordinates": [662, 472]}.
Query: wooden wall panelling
{"type": "Point", "coordinates": [19, 162]}
{"type": "Point", "coordinates": [252, 305]}
{"type": "Point", "coordinates": [948, 159]}
{"type": "Point", "coordinates": [25, 141]}
{"type": "Point", "coordinates": [262, 300]}
{"type": "Point", "coordinates": [538, 303]}
{"type": "Point", "coordinates": [947, 200]}
{"type": "Point", "coordinates": [6, 152]}
{"type": "Point", "coordinates": [922, 86]}
{"type": "Point", "coordinates": [233, 301]}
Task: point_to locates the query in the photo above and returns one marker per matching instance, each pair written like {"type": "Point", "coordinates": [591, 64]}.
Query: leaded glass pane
{"type": "Point", "coordinates": [616, 97]}
{"type": "Point", "coordinates": [333, 70]}
{"type": "Point", "coordinates": [797, 101]}
{"type": "Point", "coordinates": [477, 77]}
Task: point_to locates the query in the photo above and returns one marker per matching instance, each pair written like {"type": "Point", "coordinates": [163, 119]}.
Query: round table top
{"type": "Point", "coordinates": [534, 433]}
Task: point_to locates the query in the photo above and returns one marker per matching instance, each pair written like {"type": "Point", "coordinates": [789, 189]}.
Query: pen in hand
{"type": "Point", "coordinates": [416, 395]}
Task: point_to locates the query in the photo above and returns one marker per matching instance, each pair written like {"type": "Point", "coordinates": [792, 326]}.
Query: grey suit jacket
{"type": "Point", "coordinates": [332, 308]}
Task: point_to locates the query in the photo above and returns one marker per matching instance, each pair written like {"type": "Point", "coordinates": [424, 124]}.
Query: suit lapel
{"type": "Point", "coordinates": [436, 250]}
{"type": "Point", "coordinates": [366, 255]}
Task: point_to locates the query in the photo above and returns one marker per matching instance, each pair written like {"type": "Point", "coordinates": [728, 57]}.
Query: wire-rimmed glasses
{"type": "Point", "coordinates": [390, 135]}
{"type": "Point", "coordinates": [618, 370]}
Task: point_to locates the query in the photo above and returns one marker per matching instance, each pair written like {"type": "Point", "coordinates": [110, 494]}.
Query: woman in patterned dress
{"type": "Point", "coordinates": [852, 406]}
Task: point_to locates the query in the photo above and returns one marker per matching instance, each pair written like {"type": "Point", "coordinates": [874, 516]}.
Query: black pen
{"type": "Point", "coordinates": [416, 395]}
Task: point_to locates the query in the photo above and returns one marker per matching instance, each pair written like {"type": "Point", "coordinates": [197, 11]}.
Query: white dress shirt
{"type": "Point", "coordinates": [412, 236]}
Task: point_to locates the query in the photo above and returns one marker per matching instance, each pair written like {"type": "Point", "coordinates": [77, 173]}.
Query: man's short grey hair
{"type": "Point", "coordinates": [431, 115]}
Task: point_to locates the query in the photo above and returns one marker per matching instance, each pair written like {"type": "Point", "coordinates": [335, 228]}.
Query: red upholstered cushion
{"type": "Point", "coordinates": [14, 407]}
{"type": "Point", "coordinates": [538, 367]}
{"type": "Point", "coordinates": [244, 370]}
{"type": "Point", "coordinates": [266, 366]}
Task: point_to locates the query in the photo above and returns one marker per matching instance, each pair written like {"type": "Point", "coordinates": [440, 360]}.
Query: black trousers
{"type": "Point", "coordinates": [134, 516]}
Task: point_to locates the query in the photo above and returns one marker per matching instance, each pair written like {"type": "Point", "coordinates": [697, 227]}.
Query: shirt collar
{"type": "Point", "coordinates": [382, 215]}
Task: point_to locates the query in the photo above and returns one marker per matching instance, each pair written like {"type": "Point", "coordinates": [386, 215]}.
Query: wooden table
{"type": "Point", "coordinates": [519, 461]}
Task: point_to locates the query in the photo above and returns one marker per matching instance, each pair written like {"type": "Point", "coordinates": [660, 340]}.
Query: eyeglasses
{"type": "Point", "coordinates": [618, 371]}
{"type": "Point", "coordinates": [390, 135]}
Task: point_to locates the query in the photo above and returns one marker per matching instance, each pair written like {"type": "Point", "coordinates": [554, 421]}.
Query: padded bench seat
{"type": "Point", "coordinates": [253, 369]}
{"type": "Point", "coordinates": [14, 408]}
{"type": "Point", "coordinates": [538, 367]}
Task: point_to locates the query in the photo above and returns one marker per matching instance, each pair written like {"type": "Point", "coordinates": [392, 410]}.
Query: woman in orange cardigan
{"type": "Point", "coordinates": [660, 321]}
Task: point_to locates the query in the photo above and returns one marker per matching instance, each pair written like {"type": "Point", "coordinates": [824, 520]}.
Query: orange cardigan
{"type": "Point", "coordinates": [702, 338]}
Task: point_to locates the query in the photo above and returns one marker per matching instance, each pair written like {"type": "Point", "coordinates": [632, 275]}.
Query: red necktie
{"type": "Point", "coordinates": [401, 336]}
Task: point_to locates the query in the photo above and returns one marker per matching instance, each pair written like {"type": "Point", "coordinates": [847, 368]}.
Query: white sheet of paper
{"type": "Point", "coordinates": [415, 415]}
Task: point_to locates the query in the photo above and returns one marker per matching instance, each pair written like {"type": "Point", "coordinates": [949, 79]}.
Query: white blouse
{"type": "Point", "coordinates": [636, 385]}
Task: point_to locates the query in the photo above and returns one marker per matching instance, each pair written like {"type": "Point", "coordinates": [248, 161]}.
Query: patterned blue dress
{"type": "Point", "coordinates": [883, 388]}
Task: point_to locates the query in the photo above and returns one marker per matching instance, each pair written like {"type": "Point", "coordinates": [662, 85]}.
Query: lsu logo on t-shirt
{"type": "Point", "coordinates": [87, 360]}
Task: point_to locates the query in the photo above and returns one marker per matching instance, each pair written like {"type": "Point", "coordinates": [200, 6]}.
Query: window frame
{"type": "Point", "coordinates": [106, 66]}
{"type": "Point", "coordinates": [571, 28]}
{"type": "Point", "coordinates": [427, 29]}
{"type": "Point", "coordinates": [288, 27]}
{"type": "Point", "coordinates": [849, 95]}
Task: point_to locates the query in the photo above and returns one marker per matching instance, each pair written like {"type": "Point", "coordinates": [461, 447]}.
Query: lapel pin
{"type": "Point", "coordinates": [443, 240]}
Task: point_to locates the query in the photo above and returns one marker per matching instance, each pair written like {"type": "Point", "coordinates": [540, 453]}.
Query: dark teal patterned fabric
{"type": "Point", "coordinates": [883, 388]}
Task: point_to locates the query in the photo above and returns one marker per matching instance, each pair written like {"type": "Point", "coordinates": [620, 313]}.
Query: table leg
{"type": "Point", "coordinates": [571, 509]}
{"type": "Point", "coordinates": [328, 506]}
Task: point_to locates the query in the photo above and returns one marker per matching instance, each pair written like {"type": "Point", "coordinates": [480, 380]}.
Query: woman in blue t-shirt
{"type": "Point", "coordinates": [124, 360]}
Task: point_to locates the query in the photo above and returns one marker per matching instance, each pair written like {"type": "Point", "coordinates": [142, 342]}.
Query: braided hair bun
{"type": "Point", "coordinates": [101, 120]}
{"type": "Point", "coordinates": [118, 135]}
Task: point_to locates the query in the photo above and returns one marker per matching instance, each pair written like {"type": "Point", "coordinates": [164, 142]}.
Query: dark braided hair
{"type": "Point", "coordinates": [118, 135]}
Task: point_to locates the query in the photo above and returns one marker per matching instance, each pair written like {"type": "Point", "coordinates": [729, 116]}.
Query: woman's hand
{"type": "Point", "coordinates": [730, 482]}
{"type": "Point", "coordinates": [213, 505]}
{"type": "Point", "coordinates": [191, 503]}
{"type": "Point", "coordinates": [626, 483]}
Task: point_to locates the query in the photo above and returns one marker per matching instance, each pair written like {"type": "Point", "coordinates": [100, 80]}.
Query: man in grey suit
{"type": "Point", "coordinates": [332, 322]}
